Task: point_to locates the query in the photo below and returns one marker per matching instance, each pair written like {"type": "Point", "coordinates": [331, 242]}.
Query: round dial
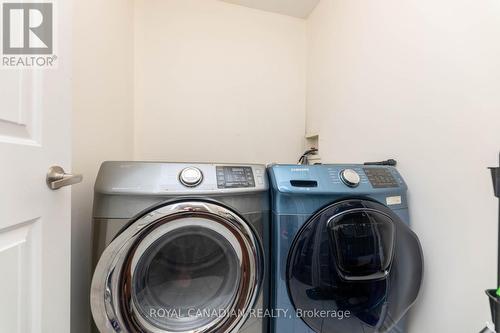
{"type": "Point", "coordinates": [350, 177]}
{"type": "Point", "coordinates": [191, 176]}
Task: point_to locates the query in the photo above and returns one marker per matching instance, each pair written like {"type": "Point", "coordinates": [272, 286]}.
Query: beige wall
{"type": "Point", "coordinates": [418, 80]}
{"type": "Point", "coordinates": [102, 122]}
{"type": "Point", "coordinates": [213, 81]}
{"type": "Point", "coordinates": [217, 82]}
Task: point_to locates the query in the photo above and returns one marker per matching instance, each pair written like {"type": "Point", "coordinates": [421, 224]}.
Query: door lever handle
{"type": "Point", "coordinates": [57, 178]}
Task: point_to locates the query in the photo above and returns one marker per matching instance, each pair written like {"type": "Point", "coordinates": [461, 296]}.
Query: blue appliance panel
{"type": "Point", "coordinates": [300, 191]}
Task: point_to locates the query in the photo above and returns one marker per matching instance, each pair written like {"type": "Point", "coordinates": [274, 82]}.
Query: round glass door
{"type": "Point", "coordinates": [186, 278]}
{"type": "Point", "coordinates": [339, 268]}
{"type": "Point", "coordinates": [187, 267]}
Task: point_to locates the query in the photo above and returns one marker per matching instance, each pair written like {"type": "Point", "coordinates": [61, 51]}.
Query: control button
{"type": "Point", "coordinates": [191, 176]}
{"type": "Point", "coordinates": [350, 177]}
{"type": "Point", "coordinates": [260, 180]}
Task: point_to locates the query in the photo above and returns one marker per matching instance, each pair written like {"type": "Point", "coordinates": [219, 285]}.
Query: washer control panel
{"type": "Point", "coordinates": [381, 177]}
{"type": "Point", "coordinates": [235, 177]}
{"type": "Point", "coordinates": [350, 177]}
{"type": "Point", "coordinates": [191, 176]}
{"type": "Point", "coordinates": [342, 179]}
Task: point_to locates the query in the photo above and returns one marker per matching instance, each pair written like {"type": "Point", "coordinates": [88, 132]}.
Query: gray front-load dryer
{"type": "Point", "coordinates": [180, 247]}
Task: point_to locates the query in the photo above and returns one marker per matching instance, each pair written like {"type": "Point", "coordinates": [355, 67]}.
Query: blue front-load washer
{"type": "Point", "coordinates": [344, 258]}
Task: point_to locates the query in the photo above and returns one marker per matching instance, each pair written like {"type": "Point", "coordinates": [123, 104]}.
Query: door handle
{"type": "Point", "coordinates": [57, 178]}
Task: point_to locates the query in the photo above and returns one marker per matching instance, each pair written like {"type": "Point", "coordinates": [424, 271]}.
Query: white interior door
{"type": "Point", "coordinates": [35, 110]}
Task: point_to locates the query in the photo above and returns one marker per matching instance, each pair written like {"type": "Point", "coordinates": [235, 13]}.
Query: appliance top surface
{"type": "Point", "coordinates": [169, 178]}
{"type": "Point", "coordinates": [355, 179]}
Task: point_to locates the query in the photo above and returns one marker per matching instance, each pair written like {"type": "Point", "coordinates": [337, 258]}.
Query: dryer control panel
{"type": "Point", "coordinates": [158, 178]}
{"type": "Point", "coordinates": [235, 177]}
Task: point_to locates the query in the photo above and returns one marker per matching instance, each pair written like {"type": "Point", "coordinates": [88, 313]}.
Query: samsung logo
{"type": "Point", "coordinates": [299, 170]}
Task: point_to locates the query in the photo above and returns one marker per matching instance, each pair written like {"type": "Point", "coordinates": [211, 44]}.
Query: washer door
{"type": "Point", "coordinates": [354, 267]}
{"type": "Point", "coordinates": [190, 266]}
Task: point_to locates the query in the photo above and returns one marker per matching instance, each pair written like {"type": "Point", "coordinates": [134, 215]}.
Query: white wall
{"type": "Point", "coordinates": [234, 75]}
{"type": "Point", "coordinates": [418, 80]}
{"type": "Point", "coordinates": [296, 8]}
{"type": "Point", "coordinates": [218, 82]}
{"type": "Point", "coordinates": [102, 122]}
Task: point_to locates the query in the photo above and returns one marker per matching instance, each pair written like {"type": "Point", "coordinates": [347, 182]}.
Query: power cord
{"type": "Point", "coordinates": [389, 162]}
{"type": "Point", "coordinates": [303, 158]}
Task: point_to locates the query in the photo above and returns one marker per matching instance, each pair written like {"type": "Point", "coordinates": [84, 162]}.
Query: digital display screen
{"type": "Point", "coordinates": [234, 177]}
{"type": "Point", "coordinates": [380, 178]}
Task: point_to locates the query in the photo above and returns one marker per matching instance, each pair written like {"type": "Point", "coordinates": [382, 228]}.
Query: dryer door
{"type": "Point", "coordinates": [354, 267]}
{"type": "Point", "coordinates": [190, 266]}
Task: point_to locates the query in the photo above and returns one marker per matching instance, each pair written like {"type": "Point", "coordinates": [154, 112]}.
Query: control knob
{"type": "Point", "coordinates": [350, 177]}
{"type": "Point", "coordinates": [191, 176]}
